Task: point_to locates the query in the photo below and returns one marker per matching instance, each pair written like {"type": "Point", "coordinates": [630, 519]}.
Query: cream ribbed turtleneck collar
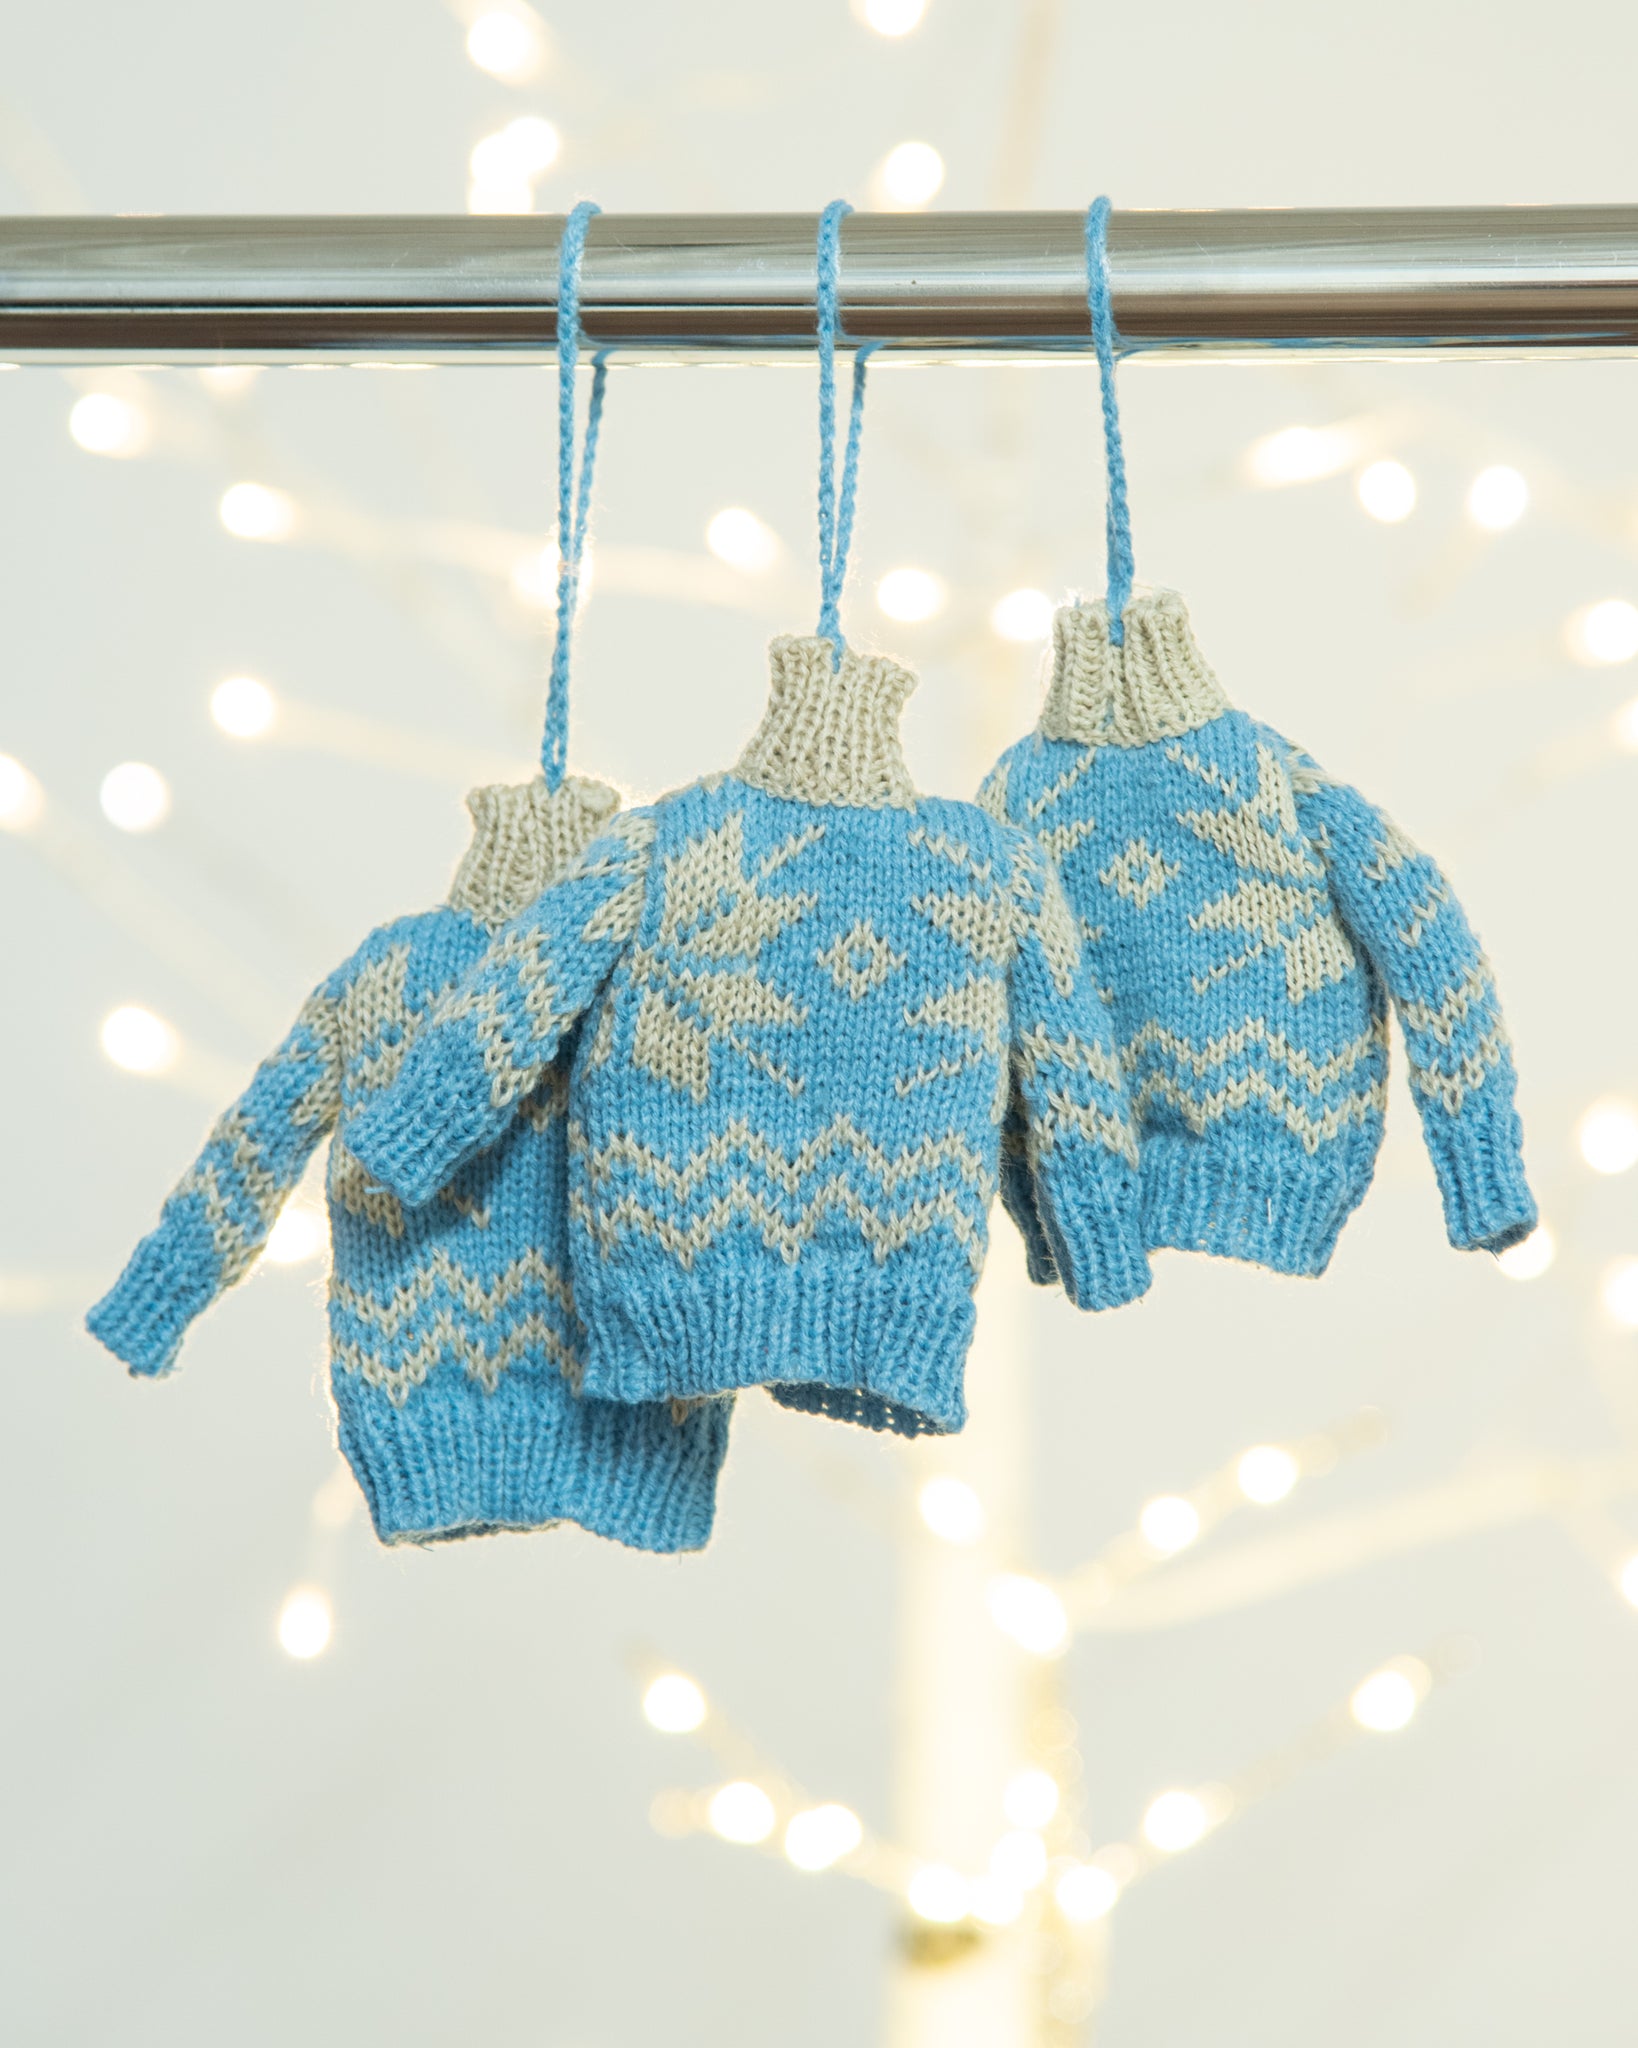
{"type": "Point", "coordinates": [1156, 685]}
{"type": "Point", "coordinates": [830, 735]}
{"type": "Point", "coordinates": [523, 837]}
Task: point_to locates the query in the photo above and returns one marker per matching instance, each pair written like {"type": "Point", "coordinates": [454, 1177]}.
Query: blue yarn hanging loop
{"type": "Point", "coordinates": [573, 493]}
{"type": "Point", "coordinates": [1106, 341]}
{"type": "Point", "coordinates": [836, 502]}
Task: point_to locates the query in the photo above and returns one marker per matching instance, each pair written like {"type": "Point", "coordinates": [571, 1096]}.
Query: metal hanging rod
{"type": "Point", "coordinates": [1499, 281]}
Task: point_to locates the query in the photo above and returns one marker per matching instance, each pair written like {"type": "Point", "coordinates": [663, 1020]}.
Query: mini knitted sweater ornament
{"type": "Point", "coordinates": [814, 993]}
{"type": "Point", "coordinates": [455, 1343]}
{"type": "Point", "coordinates": [1249, 918]}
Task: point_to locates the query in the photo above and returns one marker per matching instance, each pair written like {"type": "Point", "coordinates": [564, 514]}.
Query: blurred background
{"type": "Point", "coordinates": [1137, 1739]}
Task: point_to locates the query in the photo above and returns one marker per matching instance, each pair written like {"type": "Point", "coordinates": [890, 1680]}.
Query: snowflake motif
{"type": "Point", "coordinates": [701, 987]}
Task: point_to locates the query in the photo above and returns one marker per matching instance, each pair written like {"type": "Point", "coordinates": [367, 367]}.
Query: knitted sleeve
{"type": "Point", "coordinates": [490, 1040]}
{"type": "Point", "coordinates": [1078, 1202]}
{"type": "Point", "coordinates": [1400, 912]}
{"type": "Point", "coordinates": [217, 1217]}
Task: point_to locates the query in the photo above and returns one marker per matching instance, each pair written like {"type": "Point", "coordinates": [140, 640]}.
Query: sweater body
{"type": "Point", "coordinates": [784, 1149]}
{"type": "Point", "coordinates": [1249, 920]}
{"type": "Point", "coordinates": [804, 1022]}
{"type": "Point", "coordinates": [1253, 1036]}
{"type": "Point", "coordinates": [455, 1343]}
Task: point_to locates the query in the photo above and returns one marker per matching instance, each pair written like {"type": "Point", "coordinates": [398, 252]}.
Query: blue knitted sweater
{"type": "Point", "coordinates": [454, 1337]}
{"type": "Point", "coordinates": [813, 991]}
{"type": "Point", "coordinates": [1249, 920]}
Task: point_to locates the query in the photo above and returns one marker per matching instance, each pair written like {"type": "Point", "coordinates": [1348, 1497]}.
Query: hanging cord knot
{"type": "Point", "coordinates": [573, 493]}
{"type": "Point", "coordinates": [835, 504]}
{"type": "Point", "coordinates": [1106, 341]}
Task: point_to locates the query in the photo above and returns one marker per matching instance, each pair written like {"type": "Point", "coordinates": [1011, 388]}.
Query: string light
{"type": "Point", "coordinates": [134, 797]}
{"type": "Point", "coordinates": [257, 512]}
{"type": "Point", "coordinates": [1169, 1524]}
{"type": "Point", "coordinates": [952, 1510]}
{"type": "Point", "coordinates": [505, 165]}
{"type": "Point", "coordinates": [1628, 1581]}
{"type": "Point", "coordinates": [512, 195]}
{"type": "Point", "coordinates": [1608, 1136]}
{"type": "Point", "coordinates": [1387, 490]}
{"type": "Point", "coordinates": [22, 800]}
{"type": "Point", "coordinates": [740, 539]}
{"type": "Point", "coordinates": [243, 707]}
{"type": "Point", "coordinates": [524, 149]}
{"type": "Point", "coordinates": [1606, 632]}
{"type": "Point", "coordinates": [822, 1835]}
{"type": "Point", "coordinates": [1387, 1700]}
{"type": "Point", "coordinates": [1620, 1293]}
{"type": "Point", "coordinates": [305, 1623]}
{"type": "Point", "coordinates": [994, 1901]}
{"type": "Point", "coordinates": [1530, 1257]}
{"type": "Point", "coordinates": [1266, 1474]}
{"type": "Point", "coordinates": [138, 1041]}
{"type": "Point", "coordinates": [1032, 1614]}
{"type": "Point", "coordinates": [534, 579]}
{"type": "Point", "coordinates": [1497, 498]}
{"type": "Point", "coordinates": [1175, 1821]}
{"type": "Point", "coordinates": [742, 1812]}
{"type": "Point", "coordinates": [507, 45]}
{"type": "Point", "coordinates": [890, 17]}
{"type": "Point", "coordinates": [299, 1234]}
{"type": "Point", "coordinates": [1031, 1799]}
{"type": "Point", "coordinates": [1300, 455]}
{"type": "Point", "coordinates": [228, 380]}
{"type": "Point", "coordinates": [1086, 1892]}
{"type": "Point", "coordinates": [674, 1704]}
{"type": "Point", "coordinates": [938, 1894]}
{"type": "Point", "coordinates": [910, 175]}
{"type": "Point", "coordinates": [1625, 726]}
{"type": "Point", "coordinates": [910, 595]}
{"type": "Point", "coordinates": [105, 425]}
{"type": "Point", "coordinates": [1023, 615]}
{"type": "Point", "coordinates": [1019, 1860]}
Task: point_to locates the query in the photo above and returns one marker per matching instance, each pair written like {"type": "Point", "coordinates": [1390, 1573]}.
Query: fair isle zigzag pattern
{"type": "Point", "coordinates": [454, 1340]}
{"type": "Point", "coordinates": [805, 996]}
{"type": "Point", "coordinates": [746, 1177]}
{"type": "Point", "coordinates": [1250, 919]}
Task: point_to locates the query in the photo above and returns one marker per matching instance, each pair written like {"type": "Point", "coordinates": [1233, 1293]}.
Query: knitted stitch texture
{"type": "Point", "coordinates": [454, 1337]}
{"type": "Point", "coordinates": [815, 990]}
{"type": "Point", "coordinates": [1249, 917]}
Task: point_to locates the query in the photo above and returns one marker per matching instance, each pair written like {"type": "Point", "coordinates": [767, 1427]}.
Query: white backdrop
{"type": "Point", "coordinates": [438, 1830]}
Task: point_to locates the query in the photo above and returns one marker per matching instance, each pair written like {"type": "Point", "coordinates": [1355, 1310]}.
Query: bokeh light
{"type": "Point", "coordinates": [242, 707]}
{"type": "Point", "coordinates": [306, 1623]}
{"type": "Point", "coordinates": [138, 1041]}
{"type": "Point", "coordinates": [134, 797]}
{"type": "Point", "coordinates": [1387, 491]}
{"type": "Point", "coordinates": [952, 1510]}
{"type": "Point", "coordinates": [674, 1704]}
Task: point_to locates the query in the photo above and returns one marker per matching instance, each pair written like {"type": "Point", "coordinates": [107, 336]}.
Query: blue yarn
{"type": "Point", "coordinates": [1106, 340]}
{"type": "Point", "coordinates": [454, 1339]}
{"type": "Point", "coordinates": [1254, 920]}
{"type": "Point", "coordinates": [573, 498]}
{"type": "Point", "coordinates": [835, 506]}
{"type": "Point", "coordinates": [786, 1133]}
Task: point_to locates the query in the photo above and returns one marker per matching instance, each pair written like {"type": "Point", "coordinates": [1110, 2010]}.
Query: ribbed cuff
{"type": "Point", "coordinates": [1478, 1161]}
{"type": "Point", "coordinates": [144, 1316]}
{"type": "Point", "coordinates": [410, 1145]}
{"type": "Point", "coordinates": [1088, 1207]}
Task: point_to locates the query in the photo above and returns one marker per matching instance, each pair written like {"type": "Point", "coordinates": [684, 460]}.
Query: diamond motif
{"type": "Point", "coordinates": [860, 960]}
{"type": "Point", "coordinates": [1140, 873]}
